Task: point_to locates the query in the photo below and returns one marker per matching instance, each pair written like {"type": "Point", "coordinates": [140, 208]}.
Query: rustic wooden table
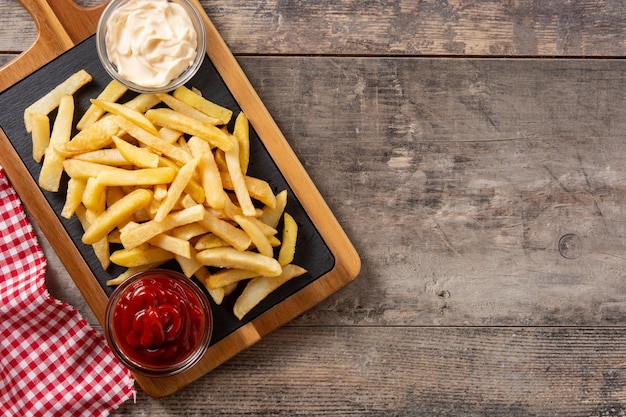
{"type": "Point", "coordinates": [475, 153]}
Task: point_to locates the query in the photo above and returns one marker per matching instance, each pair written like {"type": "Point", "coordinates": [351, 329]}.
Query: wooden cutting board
{"type": "Point", "coordinates": [66, 44]}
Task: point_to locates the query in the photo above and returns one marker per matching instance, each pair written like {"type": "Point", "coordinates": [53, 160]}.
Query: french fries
{"type": "Point", "coordinates": [51, 100]}
{"type": "Point", "coordinates": [115, 214]}
{"type": "Point", "coordinates": [112, 92]}
{"type": "Point", "coordinates": [288, 247]}
{"type": "Point", "coordinates": [41, 134]}
{"type": "Point", "coordinates": [260, 287]}
{"type": "Point", "coordinates": [233, 258]}
{"type": "Point", "coordinates": [52, 168]}
{"type": "Point", "coordinates": [163, 177]}
{"type": "Point", "coordinates": [205, 106]}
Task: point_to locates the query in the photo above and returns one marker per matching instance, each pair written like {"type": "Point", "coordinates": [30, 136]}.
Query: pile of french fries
{"type": "Point", "coordinates": [163, 177]}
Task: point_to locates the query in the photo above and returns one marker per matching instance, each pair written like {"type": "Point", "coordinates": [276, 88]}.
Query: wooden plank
{"type": "Point", "coordinates": [51, 41]}
{"type": "Point", "coordinates": [6, 58]}
{"type": "Point", "coordinates": [78, 19]}
{"type": "Point", "coordinates": [404, 27]}
{"type": "Point", "coordinates": [400, 27]}
{"type": "Point", "coordinates": [416, 371]}
{"type": "Point", "coordinates": [458, 178]}
{"type": "Point", "coordinates": [18, 30]}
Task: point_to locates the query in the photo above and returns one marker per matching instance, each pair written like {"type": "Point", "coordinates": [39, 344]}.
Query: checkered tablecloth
{"type": "Point", "coordinates": [52, 363]}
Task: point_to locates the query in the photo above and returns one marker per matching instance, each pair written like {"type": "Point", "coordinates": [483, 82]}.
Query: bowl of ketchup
{"type": "Point", "coordinates": [158, 323]}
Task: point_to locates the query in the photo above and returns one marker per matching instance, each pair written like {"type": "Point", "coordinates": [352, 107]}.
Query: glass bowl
{"type": "Point", "coordinates": [158, 323]}
{"type": "Point", "coordinates": [176, 81]}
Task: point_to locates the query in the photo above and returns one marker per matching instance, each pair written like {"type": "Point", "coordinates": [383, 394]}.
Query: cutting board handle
{"type": "Point", "coordinates": [60, 24]}
{"type": "Point", "coordinates": [79, 22]}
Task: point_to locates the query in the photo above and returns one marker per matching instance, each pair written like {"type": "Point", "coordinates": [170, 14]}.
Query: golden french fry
{"type": "Point", "coordinates": [194, 189]}
{"type": "Point", "coordinates": [256, 235]}
{"type": "Point", "coordinates": [81, 214]}
{"type": "Point", "coordinates": [258, 189]}
{"type": "Point", "coordinates": [189, 264]}
{"type": "Point", "coordinates": [112, 92]}
{"type": "Point", "coordinates": [290, 236]}
{"type": "Point", "coordinates": [115, 214]}
{"type": "Point", "coordinates": [241, 131]}
{"type": "Point", "coordinates": [184, 108]}
{"type": "Point", "coordinates": [52, 168]}
{"type": "Point", "coordinates": [40, 134]}
{"type": "Point", "coordinates": [52, 99]}
{"type": "Point", "coordinates": [180, 182]}
{"type": "Point", "coordinates": [274, 241]}
{"type": "Point", "coordinates": [237, 178]}
{"type": "Point", "coordinates": [260, 287]}
{"type": "Point", "coordinates": [182, 143]}
{"type": "Point", "coordinates": [233, 258]}
{"type": "Point", "coordinates": [226, 277]}
{"type": "Point", "coordinates": [140, 157]}
{"type": "Point", "coordinates": [143, 102]}
{"type": "Point", "coordinates": [271, 216]}
{"type": "Point", "coordinates": [140, 256]}
{"type": "Point", "coordinates": [102, 251]}
{"type": "Point", "coordinates": [107, 156]}
{"type": "Point", "coordinates": [205, 106]}
{"type": "Point", "coordinates": [235, 237]}
{"type": "Point", "coordinates": [100, 247]}
{"type": "Point", "coordinates": [189, 231]}
{"type": "Point", "coordinates": [169, 135]}
{"type": "Point", "coordinates": [93, 137]}
{"type": "Point", "coordinates": [160, 192]}
{"type": "Point", "coordinates": [220, 160]}
{"type": "Point", "coordinates": [93, 214]}
{"type": "Point", "coordinates": [178, 121]}
{"type": "Point", "coordinates": [209, 241]}
{"type": "Point", "coordinates": [114, 194]}
{"type": "Point", "coordinates": [114, 236]}
{"type": "Point", "coordinates": [135, 236]}
{"type": "Point", "coordinates": [210, 177]}
{"type": "Point", "coordinates": [126, 112]}
{"type": "Point", "coordinates": [138, 177]}
{"type": "Point", "coordinates": [229, 289]}
{"type": "Point", "coordinates": [152, 141]}
{"type": "Point", "coordinates": [94, 195]}
{"type": "Point", "coordinates": [231, 210]}
{"type": "Point", "coordinates": [178, 247]}
{"type": "Point", "coordinates": [83, 169]}
{"type": "Point", "coordinates": [73, 198]}
{"type": "Point", "coordinates": [218, 294]}
{"type": "Point", "coordinates": [267, 230]}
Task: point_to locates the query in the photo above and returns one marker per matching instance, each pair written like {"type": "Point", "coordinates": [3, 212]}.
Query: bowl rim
{"type": "Point", "coordinates": [175, 368]}
{"type": "Point", "coordinates": [182, 78]}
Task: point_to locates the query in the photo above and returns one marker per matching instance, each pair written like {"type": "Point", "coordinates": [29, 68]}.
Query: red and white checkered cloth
{"type": "Point", "coordinates": [52, 363]}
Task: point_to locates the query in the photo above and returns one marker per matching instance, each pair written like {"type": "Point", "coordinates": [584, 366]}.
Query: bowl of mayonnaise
{"type": "Point", "coordinates": [151, 46]}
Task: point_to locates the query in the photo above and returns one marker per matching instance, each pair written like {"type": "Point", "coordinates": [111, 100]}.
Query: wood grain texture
{"type": "Point", "coordinates": [51, 41]}
{"type": "Point", "coordinates": [456, 179]}
{"type": "Point", "coordinates": [18, 30]}
{"type": "Point", "coordinates": [400, 27]}
{"type": "Point", "coordinates": [405, 27]}
{"type": "Point", "coordinates": [442, 371]}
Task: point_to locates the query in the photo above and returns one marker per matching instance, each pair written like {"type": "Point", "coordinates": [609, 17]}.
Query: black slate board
{"type": "Point", "coordinates": [312, 252]}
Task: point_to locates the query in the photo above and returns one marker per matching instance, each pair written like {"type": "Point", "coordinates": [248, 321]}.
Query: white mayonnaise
{"type": "Point", "coordinates": [151, 42]}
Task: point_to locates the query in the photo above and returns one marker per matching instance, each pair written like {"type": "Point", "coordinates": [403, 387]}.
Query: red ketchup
{"type": "Point", "coordinates": [158, 321]}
